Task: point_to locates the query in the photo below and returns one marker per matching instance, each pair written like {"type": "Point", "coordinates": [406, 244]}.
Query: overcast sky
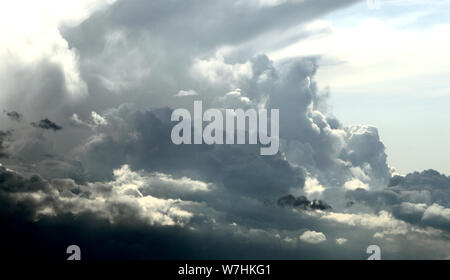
{"type": "Point", "coordinates": [88, 88]}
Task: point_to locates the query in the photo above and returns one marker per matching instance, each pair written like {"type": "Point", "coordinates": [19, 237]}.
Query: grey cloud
{"type": "Point", "coordinates": [47, 124]}
{"type": "Point", "coordinates": [364, 148]}
{"type": "Point", "coordinates": [431, 181]}
{"type": "Point", "coordinates": [3, 136]}
{"type": "Point", "coordinates": [124, 233]}
{"type": "Point", "coordinates": [330, 152]}
{"type": "Point", "coordinates": [65, 206]}
{"type": "Point", "coordinates": [437, 216]}
{"type": "Point", "coordinates": [129, 235]}
{"type": "Point", "coordinates": [117, 229]}
{"type": "Point", "coordinates": [142, 139]}
{"type": "Point", "coordinates": [410, 212]}
{"type": "Point", "coordinates": [13, 115]}
{"type": "Point", "coordinates": [161, 40]}
{"type": "Point", "coordinates": [289, 86]}
{"type": "Point", "coordinates": [418, 198]}
{"type": "Point", "coordinates": [375, 199]}
{"type": "Point", "coordinates": [142, 53]}
{"type": "Point", "coordinates": [302, 202]}
{"type": "Point", "coordinates": [201, 25]}
{"type": "Point", "coordinates": [12, 182]}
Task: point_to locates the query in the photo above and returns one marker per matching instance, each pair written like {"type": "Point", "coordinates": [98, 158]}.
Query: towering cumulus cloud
{"type": "Point", "coordinates": [87, 156]}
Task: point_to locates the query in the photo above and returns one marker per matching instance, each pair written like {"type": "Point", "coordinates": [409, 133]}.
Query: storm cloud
{"type": "Point", "coordinates": [111, 180]}
{"type": "Point", "coordinates": [47, 124]}
{"type": "Point", "coordinates": [13, 115]}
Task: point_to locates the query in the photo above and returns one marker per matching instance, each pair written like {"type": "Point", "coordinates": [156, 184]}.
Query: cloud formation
{"type": "Point", "coordinates": [13, 115]}
{"type": "Point", "coordinates": [47, 124]}
{"type": "Point", "coordinates": [113, 182]}
{"type": "Point", "coordinates": [313, 237]}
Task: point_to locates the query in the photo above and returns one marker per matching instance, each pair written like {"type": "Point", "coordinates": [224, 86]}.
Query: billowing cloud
{"type": "Point", "coordinates": [115, 200]}
{"type": "Point", "coordinates": [417, 198]}
{"type": "Point", "coordinates": [313, 237]}
{"type": "Point", "coordinates": [355, 184]}
{"type": "Point", "coordinates": [313, 187]}
{"type": "Point", "coordinates": [113, 180]}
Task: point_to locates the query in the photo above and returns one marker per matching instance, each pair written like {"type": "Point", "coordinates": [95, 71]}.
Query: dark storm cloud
{"type": "Point", "coordinates": [123, 233]}
{"type": "Point", "coordinates": [240, 168]}
{"type": "Point", "coordinates": [98, 239]}
{"type": "Point", "coordinates": [302, 202]}
{"type": "Point", "coordinates": [126, 234]}
{"type": "Point", "coordinates": [47, 124]}
{"type": "Point", "coordinates": [12, 182]}
{"type": "Point", "coordinates": [13, 115]}
{"type": "Point", "coordinates": [49, 216]}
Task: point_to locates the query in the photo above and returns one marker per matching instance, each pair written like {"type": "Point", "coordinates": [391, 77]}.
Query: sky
{"type": "Point", "coordinates": [86, 157]}
{"type": "Point", "coordinates": [391, 74]}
